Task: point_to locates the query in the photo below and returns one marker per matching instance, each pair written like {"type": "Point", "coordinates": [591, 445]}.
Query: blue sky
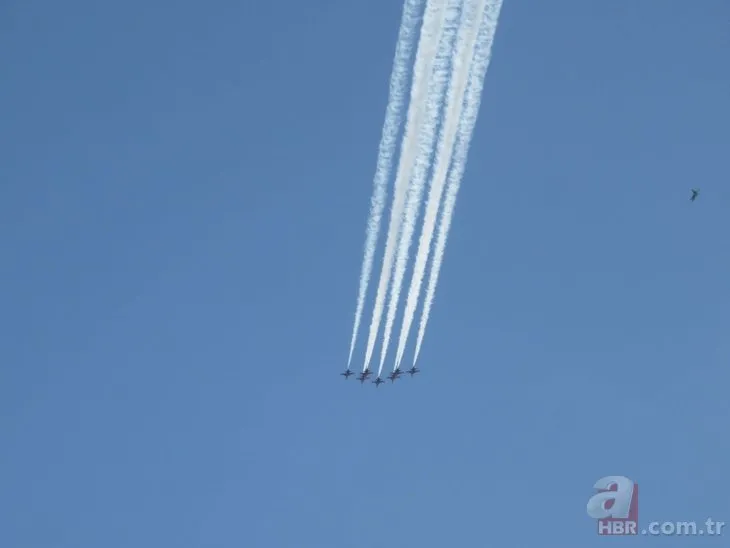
{"type": "Point", "coordinates": [183, 195]}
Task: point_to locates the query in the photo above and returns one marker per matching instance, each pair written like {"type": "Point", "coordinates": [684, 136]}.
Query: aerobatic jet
{"type": "Point", "coordinates": [413, 370]}
{"type": "Point", "coordinates": [395, 374]}
{"type": "Point", "coordinates": [347, 374]}
{"type": "Point", "coordinates": [378, 382]}
{"type": "Point", "coordinates": [364, 375]}
{"type": "Point", "coordinates": [695, 193]}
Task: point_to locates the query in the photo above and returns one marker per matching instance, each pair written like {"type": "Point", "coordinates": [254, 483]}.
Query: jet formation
{"type": "Point", "coordinates": [397, 372]}
{"type": "Point", "coordinates": [366, 374]}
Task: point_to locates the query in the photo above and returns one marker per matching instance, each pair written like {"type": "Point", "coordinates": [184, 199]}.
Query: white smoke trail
{"type": "Point", "coordinates": [482, 57]}
{"type": "Point", "coordinates": [427, 44]}
{"type": "Point", "coordinates": [386, 150]}
{"type": "Point", "coordinates": [465, 47]}
{"type": "Point", "coordinates": [453, 31]}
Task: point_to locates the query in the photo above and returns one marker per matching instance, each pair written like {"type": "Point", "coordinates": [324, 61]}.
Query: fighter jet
{"type": "Point", "coordinates": [695, 193]}
{"type": "Point", "coordinates": [378, 382]}
{"type": "Point", "coordinates": [347, 374]}
{"type": "Point", "coordinates": [395, 374]}
{"type": "Point", "coordinates": [364, 375]}
{"type": "Point", "coordinates": [413, 370]}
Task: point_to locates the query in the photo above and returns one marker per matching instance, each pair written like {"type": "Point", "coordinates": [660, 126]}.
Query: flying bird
{"type": "Point", "coordinates": [695, 193]}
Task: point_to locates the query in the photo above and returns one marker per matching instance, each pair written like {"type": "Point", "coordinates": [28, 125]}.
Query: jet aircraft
{"type": "Point", "coordinates": [364, 375]}
{"type": "Point", "coordinates": [347, 374]}
{"type": "Point", "coordinates": [695, 193]}
{"type": "Point", "coordinates": [395, 374]}
{"type": "Point", "coordinates": [378, 381]}
{"type": "Point", "coordinates": [413, 370]}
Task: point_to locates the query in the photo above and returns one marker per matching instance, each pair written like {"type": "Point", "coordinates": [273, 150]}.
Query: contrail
{"type": "Point", "coordinates": [427, 45]}
{"type": "Point", "coordinates": [386, 150]}
{"type": "Point", "coordinates": [465, 48]}
{"type": "Point", "coordinates": [482, 57]}
{"type": "Point", "coordinates": [436, 92]}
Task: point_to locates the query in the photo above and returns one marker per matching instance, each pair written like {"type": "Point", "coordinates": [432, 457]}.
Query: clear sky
{"type": "Point", "coordinates": [183, 195]}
